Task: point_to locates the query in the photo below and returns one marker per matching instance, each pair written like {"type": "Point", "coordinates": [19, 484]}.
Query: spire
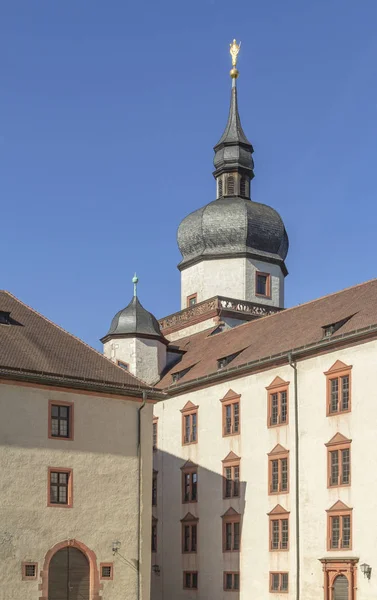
{"type": "Point", "coordinates": [233, 152]}
{"type": "Point", "coordinates": [135, 281]}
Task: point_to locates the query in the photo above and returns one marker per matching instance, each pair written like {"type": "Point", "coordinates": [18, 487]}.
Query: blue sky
{"type": "Point", "coordinates": [108, 116]}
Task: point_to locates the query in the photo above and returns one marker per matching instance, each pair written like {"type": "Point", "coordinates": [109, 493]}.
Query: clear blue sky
{"type": "Point", "coordinates": [108, 115]}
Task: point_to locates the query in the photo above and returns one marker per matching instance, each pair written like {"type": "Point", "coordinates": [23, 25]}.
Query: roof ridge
{"type": "Point", "coordinates": [71, 335]}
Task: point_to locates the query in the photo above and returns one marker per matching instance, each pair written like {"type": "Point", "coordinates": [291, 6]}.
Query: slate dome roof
{"type": "Point", "coordinates": [233, 226]}
{"type": "Point", "coordinates": [134, 320]}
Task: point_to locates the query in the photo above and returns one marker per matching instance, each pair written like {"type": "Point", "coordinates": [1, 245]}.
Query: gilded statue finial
{"type": "Point", "coordinates": [234, 51]}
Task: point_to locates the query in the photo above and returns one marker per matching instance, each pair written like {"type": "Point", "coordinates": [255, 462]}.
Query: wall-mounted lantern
{"type": "Point", "coordinates": [366, 570]}
{"type": "Point", "coordinates": [115, 547]}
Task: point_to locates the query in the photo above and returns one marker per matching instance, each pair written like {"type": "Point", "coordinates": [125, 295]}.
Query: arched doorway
{"type": "Point", "coordinates": [68, 575]}
{"type": "Point", "coordinates": [341, 588]}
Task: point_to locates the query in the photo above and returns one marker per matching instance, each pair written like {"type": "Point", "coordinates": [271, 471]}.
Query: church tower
{"type": "Point", "coordinates": [233, 247]}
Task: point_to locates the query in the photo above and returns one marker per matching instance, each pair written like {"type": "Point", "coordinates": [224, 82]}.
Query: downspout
{"type": "Point", "coordinates": [139, 490]}
{"type": "Point", "coordinates": [293, 364]}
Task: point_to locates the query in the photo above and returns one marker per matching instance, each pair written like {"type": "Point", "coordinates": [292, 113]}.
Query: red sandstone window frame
{"type": "Point", "coordinates": [277, 458]}
{"type": "Point", "coordinates": [155, 434]}
{"type": "Point", "coordinates": [278, 403]}
{"type": "Point", "coordinates": [191, 574]}
{"type": "Point", "coordinates": [232, 484]}
{"type": "Point", "coordinates": [188, 412]}
{"type": "Point", "coordinates": [341, 512]}
{"type": "Point", "coordinates": [191, 297]}
{"type": "Point", "coordinates": [189, 485]}
{"type": "Point", "coordinates": [233, 588]}
{"type": "Point", "coordinates": [268, 284]}
{"type": "Point", "coordinates": [231, 531]}
{"type": "Point", "coordinates": [189, 534]}
{"type": "Point", "coordinates": [278, 529]}
{"type": "Point", "coordinates": [337, 445]}
{"type": "Point", "coordinates": [340, 373]}
{"type": "Point", "coordinates": [106, 565]}
{"type": "Point", "coordinates": [26, 577]}
{"type": "Point", "coordinates": [231, 423]}
{"type": "Point", "coordinates": [70, 406]}
{"type": "Point", "coordinates": [69, 472]}
{"type": "Point", "coordinates": [280, 586]}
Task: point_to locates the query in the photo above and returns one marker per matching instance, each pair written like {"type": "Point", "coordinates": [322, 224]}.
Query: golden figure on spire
{"type": "Point", "coordinates": [234, 51]}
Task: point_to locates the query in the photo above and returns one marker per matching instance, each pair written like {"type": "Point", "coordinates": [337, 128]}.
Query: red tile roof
{"type": "Point", "coordinates": [32, 345]}
{"type": "Point", "coordinates": [279, 333]}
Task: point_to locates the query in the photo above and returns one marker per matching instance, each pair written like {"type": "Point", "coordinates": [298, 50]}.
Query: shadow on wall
{"type": "Point", "coordinates": [217, 512]}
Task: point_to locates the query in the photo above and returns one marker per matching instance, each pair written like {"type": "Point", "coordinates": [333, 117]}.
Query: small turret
{"type": "Point", "coordinates": [135, 342]}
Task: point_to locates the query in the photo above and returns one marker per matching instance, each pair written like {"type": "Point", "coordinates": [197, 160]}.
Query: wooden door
{"type": "Point", "coordinates": [341, 588]}
{"type": "Point", "coordinates": [68, 577]}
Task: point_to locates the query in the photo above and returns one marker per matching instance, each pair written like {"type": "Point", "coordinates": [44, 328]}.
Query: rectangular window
{"type": "Point", "coordinates": [189, 485]}
{"type": "Point", "coordinates": [338, 389]}
{"type": "Point", "coordinates": [231, 418]}
{"type": "Point", "coordinates": [231, 533]}
{"type": "Point", "coordinates": [263, 284]}
{"type": "Point", "coordinates": [278, 474]}
{"type": "Point", "coordinates": [59, 487]}
{"type": "Point", "coordinates": [154, 535]}
{"type": "Point", "coordinates": [29, 571]}
{"type": "Point", "coordinates": [106, 570]}
{"type": "Point", "coordinates": [339, 464]}
{"type": "Point", "coordinates": [192, 300]}
{"type": "Point", "coordinates": [278, 582]}
{"type": "Point", "coordinates": [190, 580]}
{"type": "Point", "coordinates": [190, 428]}
{"type": "Point", "coordinates": [155, 433]}
{"type": "Point", "coordinates": [231, 480]}
{"type": "Point", "coordinates": [231, 581]}
{"type": "Point", "coordinates": [60, 420]}
{"type": "Point", "coordinates": [279, 533]}
{"type": "Point", "coordinates": [154, 489]}
{"type": "Point", "coordinates": [189, 537]}
{"type": "Point", "coordinates": [340, 531]}
{"type": "Point", "coordinates": [278, 407]}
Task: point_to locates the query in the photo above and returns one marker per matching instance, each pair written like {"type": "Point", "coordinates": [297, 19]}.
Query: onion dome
{"type": "Point", "coordinates": [233, 225]}
{"type": "Point", "coordinates": [134, 321]}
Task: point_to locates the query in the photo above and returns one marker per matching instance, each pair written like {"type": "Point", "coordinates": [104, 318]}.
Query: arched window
{"type": "Point", "coordinates": [220, 188]}
{"type": "Point", "coordinates": [243, 187]}
{"type": "Point", "coordinates": [230, 185]}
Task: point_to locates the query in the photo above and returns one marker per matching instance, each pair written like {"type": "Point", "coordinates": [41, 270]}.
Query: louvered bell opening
{"type": "Point", "coordinates": [68, 575]}
{"type": "Point", "coordinates": [230, 185]}
{"type": "Point", "coordinates": [243, 187]}
{"type": "Point", "coordinates": [220, 188]}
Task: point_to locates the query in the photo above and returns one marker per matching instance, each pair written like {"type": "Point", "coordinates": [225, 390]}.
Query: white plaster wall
{"type": "Point", "coordinates": [146, 357]}
{"type": "Point", "coordinates": [231, 277]}
{"type": "Point", "coordinates": [104, 459]}
{"type": "Point", "coordinates": [253, 445]}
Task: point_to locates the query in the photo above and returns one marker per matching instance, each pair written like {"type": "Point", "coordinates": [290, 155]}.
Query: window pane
{"type": "Point", "coordinates": [236, 414]}
{"type": "Point", "coordinates": [284, 534]}
{"type": "Point", "coordinates": [275, 535]}
{"type": "Point", "coordinates": [194, 581]}
{"type": "Point", "coordinates": [188, 580]}
{"type": "Point", "coordinates": [228, 584]}
{"type": "Point", "coordinates": [284, 582]}
{"type": "Point", "coordinates": [186, 545]}
{"type": "Point", "coordinates": [236, 481]}
{"type": "Point", "coordinates": [62, 495]}
{"type": "Point", "coordinates": [275, 581]}
{"type": "Point", "coordinates": [54, 410]}
{"type": "Point", "coordinates": [345, 466]}
{"type": "Point", "coordinates": [194, 486]}
{"type": "Point", "coordinates": [335, 532]}
{"type": "Point", "coordinates": [63, 478]}
{"type": "Point", "coordinates": [236, 533]}
{"type": "Point", "coordinates": [346, 534]}
{"type": "Point", "coordinates": [283, 407]}
{"type": "Point", "coordinates": [261, 284]}
{"type": "Point", "coordinates": [228, 419]}
{"type": "Point", "coordinates": [63, 432]}
{"type": "Point", "coordinates": [228, 536]}
{"type": "Point", "coordinates": [193, 538]}
{"type": "Point", "coordinates": [63, 412]}
{"type": "Point", "coordinates": [193, 439]}
{"type": "Point", "coordinates": [334, 461]}
{"type": "Point", "coordinates": [236, 581]}
{"type": "Point", "coordinates": [187, 429]}
{"type": "Point", "coordinates": [334, 395]}
{"type": "Point", "coordinates": [53, 494]}
{"type": "Point", "coordinates": [345, 392]}
{"type": "Point", "coordinates": [54, 427]}
{"type": "Point", "coordinates": [274, 476]}
{"type": "Point", "coordinates": [274, 409]}
{"type": "Point", "coordinates": [284, 474]}
{"type": "Point", "coordinates": [54, 477]}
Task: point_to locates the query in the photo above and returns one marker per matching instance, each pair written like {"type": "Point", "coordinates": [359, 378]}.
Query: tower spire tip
{"type": "Point", "coordinates": [234, 51]}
